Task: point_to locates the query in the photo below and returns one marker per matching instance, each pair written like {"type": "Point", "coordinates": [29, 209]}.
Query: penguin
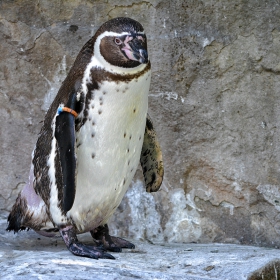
{"type": "Point", "coordinates": [93, 136]}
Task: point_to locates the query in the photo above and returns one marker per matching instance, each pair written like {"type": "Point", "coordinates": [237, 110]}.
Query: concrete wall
{"type": "Point", "coordinates": [214, 100]}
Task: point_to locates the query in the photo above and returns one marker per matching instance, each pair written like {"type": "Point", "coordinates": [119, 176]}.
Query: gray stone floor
{"type": "Point", "coordinates": [29, 256]}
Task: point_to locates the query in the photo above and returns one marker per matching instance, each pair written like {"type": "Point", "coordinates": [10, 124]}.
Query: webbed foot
{"type": "Point", "coordinates": [110, 243]}
{"type": "Point", "coordinates": [79, 249]}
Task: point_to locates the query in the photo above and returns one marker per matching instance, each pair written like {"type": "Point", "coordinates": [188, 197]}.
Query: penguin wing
{"type": "Point", "coordinates": [66, 145]}
{"type": "Point", "coordinates": [151, 158]}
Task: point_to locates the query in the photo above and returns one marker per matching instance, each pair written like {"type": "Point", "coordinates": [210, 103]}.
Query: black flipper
{"type": "Point", "coordinates": [151, 158]}
{"type": "Point", "coordinates": [66, 141]}
{"type": "Point", "coordinates": [65, 136]}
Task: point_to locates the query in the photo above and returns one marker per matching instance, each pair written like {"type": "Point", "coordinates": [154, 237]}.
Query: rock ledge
{"type": "Point", "coordinates": [27, 255]}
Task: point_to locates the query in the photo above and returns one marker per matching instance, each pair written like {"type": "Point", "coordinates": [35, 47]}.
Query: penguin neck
{"type": "Point", "coordinates": [98, 61]}
{"type": "Point", "coordinates": [100, 73]}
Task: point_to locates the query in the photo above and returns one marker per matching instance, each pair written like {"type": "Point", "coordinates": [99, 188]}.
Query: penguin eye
{"type": "Point", "coordinates": [118, 41]}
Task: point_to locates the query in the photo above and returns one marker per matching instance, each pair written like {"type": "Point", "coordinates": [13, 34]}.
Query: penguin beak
{"type": "Point", "coordinates": [135, 48]}
{"type": "Point", "coordinates": [142, 56]}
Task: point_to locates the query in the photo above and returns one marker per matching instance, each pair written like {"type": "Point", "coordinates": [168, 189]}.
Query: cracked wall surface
{"type": "Point", "coordinates": [214, 101]}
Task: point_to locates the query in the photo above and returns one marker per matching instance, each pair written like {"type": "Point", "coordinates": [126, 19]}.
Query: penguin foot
{"type": "Point", "coordinates": [79, 249]}
{"type": "Point", "coordinates": [110, 243]}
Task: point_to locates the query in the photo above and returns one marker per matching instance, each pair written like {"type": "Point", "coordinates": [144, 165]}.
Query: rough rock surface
{"type": "Point", "coordinates": [214, 100]}
{"type": "Point", "coordinates": [29, 256]}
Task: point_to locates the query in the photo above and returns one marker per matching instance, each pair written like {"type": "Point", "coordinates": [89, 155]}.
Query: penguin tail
{"type": "Point", "coordinates": [17, 215]}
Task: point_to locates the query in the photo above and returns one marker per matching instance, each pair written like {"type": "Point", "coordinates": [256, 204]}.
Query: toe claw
{"type": "Point", "coordinates": [108, 256]}
{"type": "Point", "coordinates": [122, 242]}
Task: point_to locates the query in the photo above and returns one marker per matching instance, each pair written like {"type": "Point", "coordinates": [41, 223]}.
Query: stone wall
{"type": "Point", "coordinates": [214, 100]}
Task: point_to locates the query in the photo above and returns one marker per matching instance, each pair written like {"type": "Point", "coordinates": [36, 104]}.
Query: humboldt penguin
{"type": "Point", "coordinates": [93, 136]}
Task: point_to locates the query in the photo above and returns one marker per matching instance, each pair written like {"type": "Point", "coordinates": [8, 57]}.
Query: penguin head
{"type": "Point", "coordinates": [121, 43]}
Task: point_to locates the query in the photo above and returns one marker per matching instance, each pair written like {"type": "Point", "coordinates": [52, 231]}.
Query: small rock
{"type": "Point", "coordinates": [209, 267]}
{"type": "Point", "coordinates": [214, 251]}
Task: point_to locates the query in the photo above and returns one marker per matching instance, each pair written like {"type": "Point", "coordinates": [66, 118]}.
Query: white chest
{"type": "Point", "coordinates": [108, 149]}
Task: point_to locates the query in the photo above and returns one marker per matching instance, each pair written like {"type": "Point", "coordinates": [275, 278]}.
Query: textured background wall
{"type": "Point", "coordinates": [214, 100]}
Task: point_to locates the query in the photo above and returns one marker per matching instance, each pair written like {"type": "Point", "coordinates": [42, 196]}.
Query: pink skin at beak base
{"type": "Point", "coordinates": [127, 49]}
{"type": "Point", "coordinates": [129, 53]}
